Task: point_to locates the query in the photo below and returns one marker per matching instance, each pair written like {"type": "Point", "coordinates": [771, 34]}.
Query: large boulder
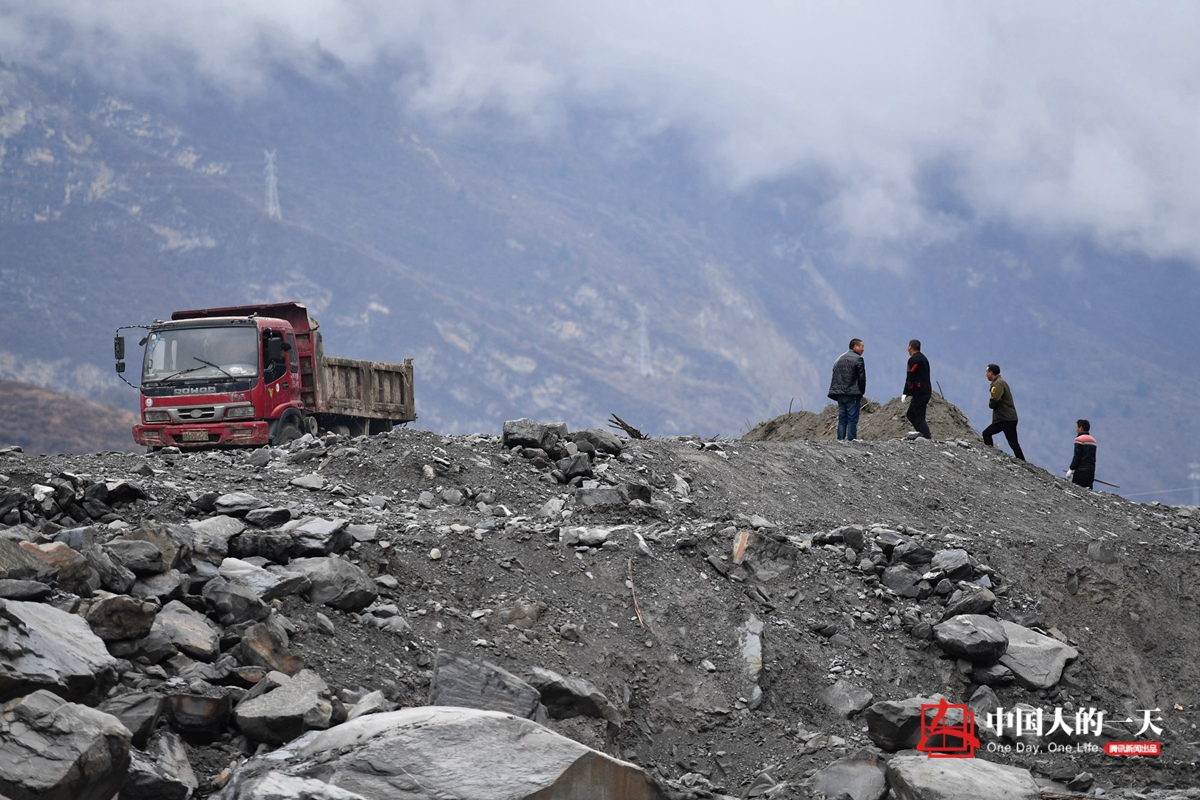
{"type": "Point", "coordinates": [571, 697]}
{"type": "Point", "coordinates": [211, 536]}
{"type": "Point", "coordinates": [17, 563]}
{"type": "Point", "coordinates": [188, 630]}
{"type": "Point", "coordinates": [846, 699]}
{"type": "Point", "coordinates": [919, 777]}
{"type": "Point", "coordinates": [470, 683]}
{"type": "Point", "coordinates": [527, 433]}
{"type": "Point", "coordinates": [1037, 661]}
{"type": "Point", "coordinates": [601, 440]}
{"type": "Point", "coordinates": [861, 777]}
{"type": "Point", "coordinates": [896, 724]}
{"type": "Point", "coordinates": [51, 749]}
{"type": "Point", "coordinates": [268, 585]}
{"type": "Point", "coordinates": [336, 583]}
{"type": "Point", "coordinates": [162, 772]}
{"type": "Point", "coordinates": [118, 616]}
{"type": "Point", "coordinates": [233, 603]}
{"type": "Point", "coordinates": [45, 648]}
{"type": "Point", "coordinates": [436, 752]}
{"type": "Point", "coordinates": [320, 537]}
{"type": "Point", "coordinates": [973, 637]}
{"type": "Point", "coordinates": [301, 703]}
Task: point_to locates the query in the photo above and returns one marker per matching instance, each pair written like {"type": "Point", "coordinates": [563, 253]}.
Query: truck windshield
{"type": "Point", "coordinates": [203, 353]}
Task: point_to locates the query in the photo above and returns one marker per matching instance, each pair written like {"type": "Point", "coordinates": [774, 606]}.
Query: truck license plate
{"type": "Point", "coordinates": [194, 436]}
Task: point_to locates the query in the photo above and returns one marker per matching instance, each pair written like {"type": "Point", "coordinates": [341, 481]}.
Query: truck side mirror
{"type": "Point", "coordinates": [120, 367]}
{"type": "Point", "coordinates": [119, 349]}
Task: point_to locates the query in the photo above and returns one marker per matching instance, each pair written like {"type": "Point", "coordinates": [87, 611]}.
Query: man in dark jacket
{"type": "Point", "coordinates": [917, 389]}
{"type": "Point", "coordinates": [847, 388]}
{"type": "Point", "coordinates": [1083, 464]}
{"type": "Point", "coordinates": [1004, 412]}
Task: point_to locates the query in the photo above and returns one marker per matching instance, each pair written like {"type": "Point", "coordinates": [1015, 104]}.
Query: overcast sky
{"type": "Point", "coordinates": [1072, 118]}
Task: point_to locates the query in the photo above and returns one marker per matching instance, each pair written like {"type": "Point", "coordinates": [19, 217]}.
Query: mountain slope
{"type": "Point", "coordinates": [574, 274]}
{"type": "Point", "coordinates": [41, 421]}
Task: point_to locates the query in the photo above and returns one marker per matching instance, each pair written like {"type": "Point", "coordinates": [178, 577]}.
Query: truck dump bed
{"type": "Point", "coordinates": [376, 394]}
{"type": "Point", "coordinates": [369, 389]}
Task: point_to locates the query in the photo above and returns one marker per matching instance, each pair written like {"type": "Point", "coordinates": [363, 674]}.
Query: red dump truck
{"type": "Point", "coordinates": [255, 375]}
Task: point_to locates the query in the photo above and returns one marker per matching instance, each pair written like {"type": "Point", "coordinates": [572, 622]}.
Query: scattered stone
{"type": "Point", "coordinates": [310, 482]}
{"type": "Point", "coordinates": [586, 537]}
{"type": "Point", "coordinates": [846, 699]}
{"type": "Point", "coordinates": [236, 504]}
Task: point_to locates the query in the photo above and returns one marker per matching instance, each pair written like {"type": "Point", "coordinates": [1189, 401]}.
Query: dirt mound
{"type": "Point", "coordinates": [876, 422]}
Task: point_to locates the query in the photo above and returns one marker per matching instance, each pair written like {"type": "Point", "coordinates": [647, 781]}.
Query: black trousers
{"type": "Point", "coordinates": [1009, 428]}
{"type": "Point", "coordinates": [916, 414]}
{"type": "Point", "coordinates": [1084, 478]}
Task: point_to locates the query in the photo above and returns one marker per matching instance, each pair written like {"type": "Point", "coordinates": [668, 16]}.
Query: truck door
{"type": "Point", "coordinates": [280, 377]}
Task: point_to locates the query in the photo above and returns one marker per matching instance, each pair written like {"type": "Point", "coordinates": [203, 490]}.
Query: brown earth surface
{"type": "Point", "coordinates": [43, 421]}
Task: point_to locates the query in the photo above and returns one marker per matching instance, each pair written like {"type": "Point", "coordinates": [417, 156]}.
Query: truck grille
{"type": "Point", "coordinates": [195, 414]}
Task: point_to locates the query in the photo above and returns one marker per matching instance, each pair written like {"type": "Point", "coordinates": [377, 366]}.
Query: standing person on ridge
{"type": "Point", "coordinates": [1004, 412]}
{"type": "Point", "coordinates": [847, 388]}
{"type": "Point", "coordinates": [917, 388]}
{"type": "Point", "coordinates": [1082, 471]}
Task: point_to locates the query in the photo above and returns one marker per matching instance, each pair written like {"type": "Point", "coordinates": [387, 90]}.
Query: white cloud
{"type": "Point", "coordinates": [1072, 117]}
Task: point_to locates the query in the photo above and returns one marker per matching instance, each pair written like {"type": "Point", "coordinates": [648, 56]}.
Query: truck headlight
{"type": "Point", "coordinates": [158, 416]}
{"type": "Point", "coordinates": [239, 411]}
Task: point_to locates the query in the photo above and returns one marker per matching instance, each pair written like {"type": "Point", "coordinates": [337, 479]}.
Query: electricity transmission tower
{"type": "Point", "coordinates": [273, 211]}
{"type": "Point", "coordinates": [643, 343]}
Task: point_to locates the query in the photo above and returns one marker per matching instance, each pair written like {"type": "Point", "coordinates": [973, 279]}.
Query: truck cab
{"type": "Point", "coordinates": [220, 381]}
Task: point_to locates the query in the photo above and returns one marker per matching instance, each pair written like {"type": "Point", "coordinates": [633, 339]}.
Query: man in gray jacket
{"type": "Point", "coordinates": [847, 388]}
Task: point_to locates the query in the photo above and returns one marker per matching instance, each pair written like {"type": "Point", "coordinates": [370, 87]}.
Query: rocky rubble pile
{"type": "Point", "coordinates": [556, 614]}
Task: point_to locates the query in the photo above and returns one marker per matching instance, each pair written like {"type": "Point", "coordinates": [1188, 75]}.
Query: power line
{"type": "Point", "coordinates": [1164, 491]}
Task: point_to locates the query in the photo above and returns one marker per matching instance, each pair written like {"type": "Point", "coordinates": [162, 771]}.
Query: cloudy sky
{"type": "Point", "coordinates": [1077, 119]}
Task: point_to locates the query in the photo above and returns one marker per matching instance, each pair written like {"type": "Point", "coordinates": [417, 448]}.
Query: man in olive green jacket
{"type": "Point", "coordinates": [1004, 412]}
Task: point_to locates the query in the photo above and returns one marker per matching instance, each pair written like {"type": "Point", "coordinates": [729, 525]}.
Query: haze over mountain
{"type": "Point", "coordinates": [678, 214]}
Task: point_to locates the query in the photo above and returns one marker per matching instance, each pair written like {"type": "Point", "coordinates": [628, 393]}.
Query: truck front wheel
{"type": "Point", "coordinates": [288, 432]}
